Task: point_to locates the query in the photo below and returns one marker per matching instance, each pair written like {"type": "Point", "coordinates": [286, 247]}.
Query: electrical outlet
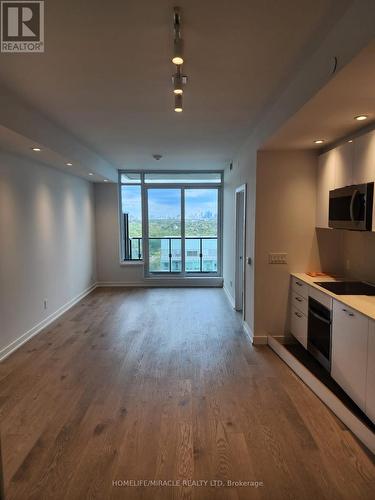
{"type": "Point", "coordinates": [277, 258]}
{"type": "Point", "coordinates": [45, 304]}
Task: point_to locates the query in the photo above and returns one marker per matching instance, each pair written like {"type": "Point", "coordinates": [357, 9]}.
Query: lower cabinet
{"type": "Point", "coordinates": [298, 326]}
{"type": "Point", "coordinates": [370, 383]}
{"type": "Point", "coordinates": [349, 351]}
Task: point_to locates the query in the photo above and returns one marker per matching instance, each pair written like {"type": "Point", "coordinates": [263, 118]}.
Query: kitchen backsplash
{"type": "Point", "coordinates": [350, 254]}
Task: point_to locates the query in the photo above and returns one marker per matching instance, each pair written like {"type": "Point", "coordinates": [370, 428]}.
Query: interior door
{"type": "Point", "coordinates": [164, 230]}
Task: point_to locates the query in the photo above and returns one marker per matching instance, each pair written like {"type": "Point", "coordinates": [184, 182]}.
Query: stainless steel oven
{"type": "Point", "coordinates": [319, 333]}
{"type": "Point", "coordinates": [351, 207]}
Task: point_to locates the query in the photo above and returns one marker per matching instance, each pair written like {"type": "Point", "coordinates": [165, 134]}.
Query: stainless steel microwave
{"type": "Point", "coordinates": [351, 207]}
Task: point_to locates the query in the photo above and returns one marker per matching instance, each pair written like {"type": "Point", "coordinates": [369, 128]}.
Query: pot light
{"type": "Point", "coordinates": [360, 117]}
{"type": "Point", "coordinates": [350, 140]}
{"type": "Point", "coordinates": [36, 149]}
{"type": "Point", "coordinates": [105, 180]}
{"type": "Point", "coordinates": [178, 103]}
{"type": "Point", "coordinates": [69, 164]}
{"type": "Point", "coordinates": [90, 173]}
{"type": "Point", "coordinates": [319, 141]}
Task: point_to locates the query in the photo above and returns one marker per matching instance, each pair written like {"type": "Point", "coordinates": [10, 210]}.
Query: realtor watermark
{"type": "Point", "coordinates": [186, 483]}
{"type": "Point", "coordinates": [22, 26]}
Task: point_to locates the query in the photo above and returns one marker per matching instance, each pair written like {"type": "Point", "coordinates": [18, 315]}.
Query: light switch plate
{"type": "Point", "coordinates": [277, 258]}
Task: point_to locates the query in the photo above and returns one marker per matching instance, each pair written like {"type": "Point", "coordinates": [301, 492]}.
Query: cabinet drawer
{"type": "Point", "coordinates": [298, 326]}
{"type": "Point", "coordinates": [299, 302]}
{"type": "Point", "coordinates": [300, 287]}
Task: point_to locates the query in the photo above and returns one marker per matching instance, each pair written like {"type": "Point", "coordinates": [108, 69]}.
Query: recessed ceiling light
{"type": "Point", "coordinates": [36, 149]}
{"type": "Point", "coordinates": [350, 140]}
{"type": "Point", "coordinates": [105, 180]}
{"type": "Point", "coordinates": [361, 117]}
{"type": "Point", "coordinates": [91, 173]}
{"type": "Point", "coordinates": [69, 164]}
{"type": "Point", "coordinates": [319, 141]}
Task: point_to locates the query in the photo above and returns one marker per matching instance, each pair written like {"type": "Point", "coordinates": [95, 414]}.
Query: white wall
{"type": "Point", "coordinates": [109, 269]}
{"type": "Point", "coordinates": [285, 222]}
{"type": "Point", "coordinates": [47, 243]}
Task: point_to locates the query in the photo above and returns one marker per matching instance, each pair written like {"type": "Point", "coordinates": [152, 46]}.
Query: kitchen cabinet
{"type": "Point", "coordinates": [298, 310]}
{"type": "Point", "coordinates": [325, 183]}
{"type": "Point", "coordinates": [370, 382]}
{"type": "Point", "coordinates": [364, 159]}
{"type": "Point", "coordinates": [344, 157]}
{"type": "Point", "coordinates": [364, 162]}
{"type": "Point", "coordinates": [298, 326]}
{"type": "Point", "coordinates": [349, 351]}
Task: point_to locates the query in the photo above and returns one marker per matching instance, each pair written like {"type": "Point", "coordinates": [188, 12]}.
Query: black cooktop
{"type": "Point", "coordinates": [348, 287]}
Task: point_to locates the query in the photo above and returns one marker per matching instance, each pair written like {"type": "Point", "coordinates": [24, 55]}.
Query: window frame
{"type": "Point", "coordinates": [183, 186]}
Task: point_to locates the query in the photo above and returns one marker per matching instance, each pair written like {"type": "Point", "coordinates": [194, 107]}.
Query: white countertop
{"type": "Point", "coordinates": [361, 303]}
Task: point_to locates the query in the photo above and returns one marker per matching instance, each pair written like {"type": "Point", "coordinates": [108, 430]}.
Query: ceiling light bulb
{"type": "Point", "coordinates": [319, 141]}
{"type": "Point", "coordinates": [90, 173]}
{"type": "Point", "coordinates": [69, 164]}
{"type": "Point", "coordinates": [350, 140]}
{"type": "Point", "coordinates": [361, 117]}
{"type": "Point", "coordinates": [37, 150]}
{"type": "Point", "coordinates": [105, 180]}
{"type": "Point", "coordinates": [178, 103]}
{"type": "Point", "coordinates": [177, 52]}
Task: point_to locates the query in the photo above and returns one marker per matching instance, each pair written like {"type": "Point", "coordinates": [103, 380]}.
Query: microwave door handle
{"type": "Point", "coordinates": [352, 204]}
{"type": "Point", "coordinates": [320, 318]}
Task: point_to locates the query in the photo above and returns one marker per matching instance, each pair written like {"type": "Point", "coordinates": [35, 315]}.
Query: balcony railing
{"type": "Point", "coordinates": [165, 254]}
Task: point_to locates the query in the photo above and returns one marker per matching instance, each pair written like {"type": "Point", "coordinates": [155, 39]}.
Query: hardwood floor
{"type": "Point", "coordinates": [162, 384]}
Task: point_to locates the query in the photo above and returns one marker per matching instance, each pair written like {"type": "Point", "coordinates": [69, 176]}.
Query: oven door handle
{"type": "Point", "coordinates": [320, 318]}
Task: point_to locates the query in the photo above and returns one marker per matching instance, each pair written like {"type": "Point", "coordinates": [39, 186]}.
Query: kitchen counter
{"type": "Point", "coordinates": [364, 304]}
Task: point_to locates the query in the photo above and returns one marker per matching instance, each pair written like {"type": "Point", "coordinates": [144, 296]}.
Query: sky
{"type": "Point", "coordinates": [165, 203]}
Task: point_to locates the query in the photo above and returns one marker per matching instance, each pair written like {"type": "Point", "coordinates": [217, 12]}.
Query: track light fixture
{"type": "Point", "coordinates": [178, 103]}
{"type": "Point", "coordinates": [178, 79]}
{"type": "Point", "coordinates": [178, 45]}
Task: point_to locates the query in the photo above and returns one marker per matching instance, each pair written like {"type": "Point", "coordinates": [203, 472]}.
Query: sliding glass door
{"type": "Point", "coordinates": [201, 230]}
{"type": "Point", "coordinates": [164, 230]}
{"type": "Point", "coordinates": [182, 230]}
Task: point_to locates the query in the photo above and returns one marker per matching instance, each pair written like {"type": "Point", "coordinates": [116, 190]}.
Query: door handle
{"type": "Point", "coordinates": [319, 317]}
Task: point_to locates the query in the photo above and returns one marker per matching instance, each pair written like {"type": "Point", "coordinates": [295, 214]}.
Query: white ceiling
{"type": "Point", "coordinates": [105, 75]}
{"type": "Point", "coordinates": [329, 115]}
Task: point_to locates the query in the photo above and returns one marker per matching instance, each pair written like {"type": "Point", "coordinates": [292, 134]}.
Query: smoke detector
{"type": "Point", "coordinates": [157, 157]}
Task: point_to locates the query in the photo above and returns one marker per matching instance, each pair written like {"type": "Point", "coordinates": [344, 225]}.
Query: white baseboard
{"type": "Point", "coordinates": [171, 283]}
{"type": "Point", "coordinates": [362, 432]}
{"type": "Point", "coordinates": [255, 340]}
{"type": "Point", "coordinates": [247, 330]}
{"type": "Point", "coordinates": [229, 297]}
{"type": "Point", "coordinates": [13, 346]}
{"type": "Point", "coordinates": [260, 340]}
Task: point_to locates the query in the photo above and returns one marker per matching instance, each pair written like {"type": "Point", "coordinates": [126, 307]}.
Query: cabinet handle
{"type": "Point", "coordinates": [299, 284]}
{"type": "Point", "coordinates": [298, 299]}
{"type": "Point", "coordinates": [348, 313]}
{"type": "Point", "coordinates": [298, 315]}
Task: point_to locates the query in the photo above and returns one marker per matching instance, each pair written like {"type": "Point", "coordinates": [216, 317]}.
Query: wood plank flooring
{"type": "Point", "coordinates": [163, 385]}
